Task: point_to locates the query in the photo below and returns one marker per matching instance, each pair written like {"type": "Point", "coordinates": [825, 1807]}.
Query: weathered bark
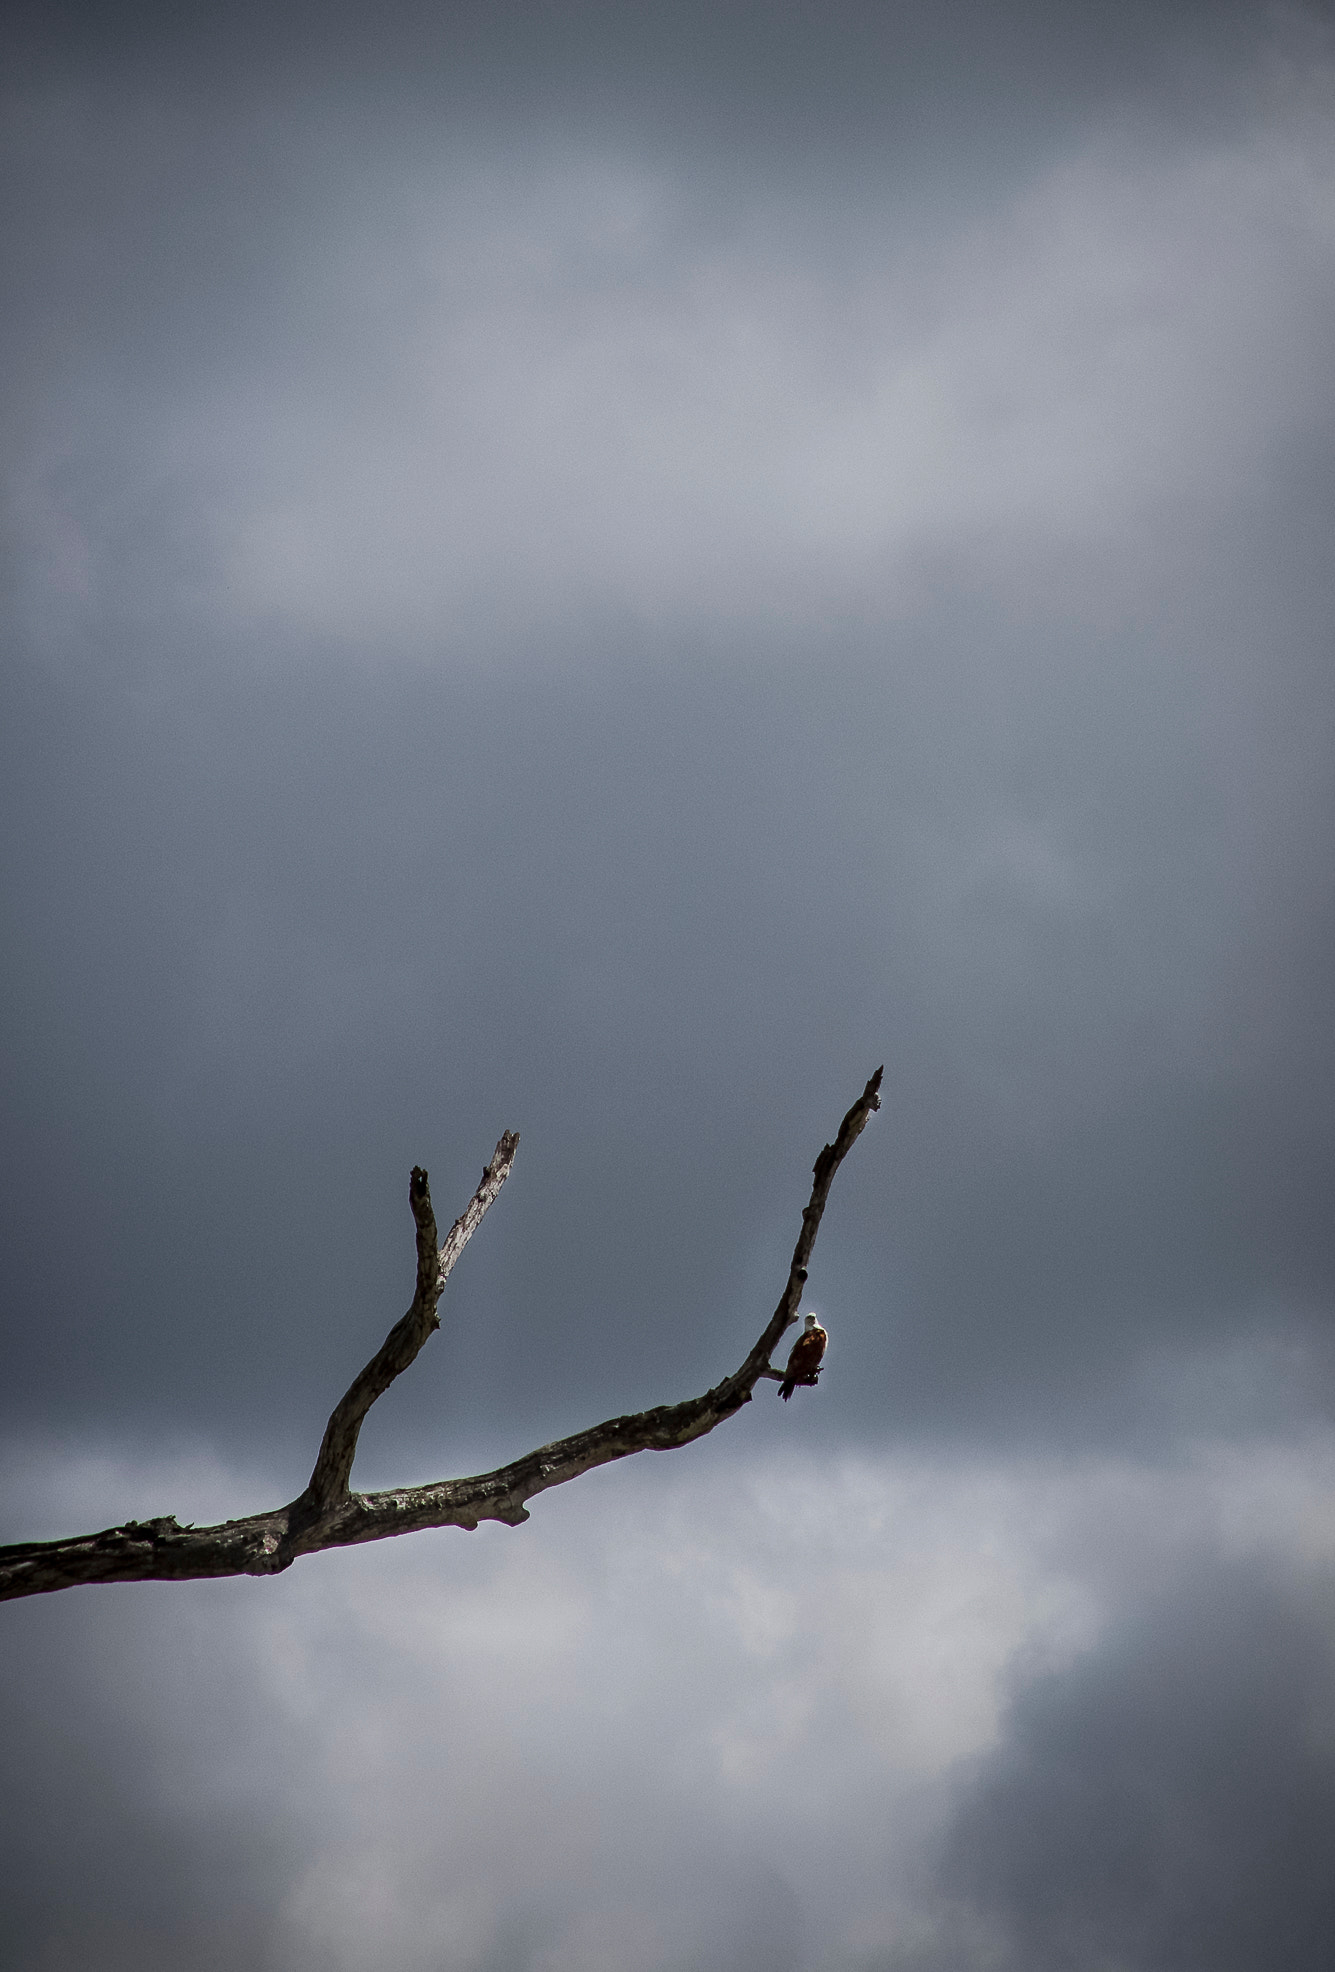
{"type": "Point", "coordinates": [328, 1514]}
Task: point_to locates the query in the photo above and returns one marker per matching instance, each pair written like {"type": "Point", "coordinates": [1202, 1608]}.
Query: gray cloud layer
{"type": "Point", "coordinates": [603, 571]}
{"type": "Point", "coordinates": [549, 599]}
{"type": "Point", "coordinates": [746, 1713]}
{"type": "Point", "coordinates": [1164, 1801]}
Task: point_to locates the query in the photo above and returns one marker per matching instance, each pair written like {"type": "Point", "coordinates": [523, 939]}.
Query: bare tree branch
{"type": "Point", "coordinates": [333, 1468]}
{"type": "Point", "coordinates": [327, 1514]}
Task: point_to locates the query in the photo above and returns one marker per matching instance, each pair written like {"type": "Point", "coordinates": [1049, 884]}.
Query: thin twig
{"type": "Point", "coordinates": [333, 1466]}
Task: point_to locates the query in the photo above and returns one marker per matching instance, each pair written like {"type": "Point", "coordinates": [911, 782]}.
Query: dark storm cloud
{"type": "Point", "coordinates": [515, 628]}
{"type": "Point", "coordinates": [740, 74]}
{"type": "Point", "coordinates": [1167, 1800]}
{"type": "Point", "coordinates": [269, 987]}
{"type": "Point", "coordinates": [603, 571]}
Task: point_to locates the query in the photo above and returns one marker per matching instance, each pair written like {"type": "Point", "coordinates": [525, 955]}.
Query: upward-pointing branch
{"type": "Point", "coordinates": [333, 1467]}
{"type": "Point", "coordinates": [328, 1514]}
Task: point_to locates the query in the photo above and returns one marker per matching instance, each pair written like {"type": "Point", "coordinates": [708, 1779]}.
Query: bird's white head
{"type": "Point", "coordinates": [812, 1322]}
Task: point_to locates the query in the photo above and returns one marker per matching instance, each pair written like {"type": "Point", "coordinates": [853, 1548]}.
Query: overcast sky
{"type": "Point", "coordinates": [602, 570]}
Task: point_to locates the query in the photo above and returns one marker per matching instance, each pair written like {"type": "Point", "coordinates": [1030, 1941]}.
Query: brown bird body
{"type": "Point", "coordinates": [804, 1362]}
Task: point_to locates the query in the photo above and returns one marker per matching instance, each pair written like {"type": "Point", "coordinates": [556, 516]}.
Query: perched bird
{"type": "Point", "coordinates": [804, 1361]}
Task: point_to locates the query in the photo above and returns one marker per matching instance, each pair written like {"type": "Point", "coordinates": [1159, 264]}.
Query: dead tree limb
{"type": "Point", "coordinates": [329, 1514]}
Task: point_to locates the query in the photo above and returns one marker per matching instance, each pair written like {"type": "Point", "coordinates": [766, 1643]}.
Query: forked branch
{"type": "Point", "coordinates": [328, 1514]}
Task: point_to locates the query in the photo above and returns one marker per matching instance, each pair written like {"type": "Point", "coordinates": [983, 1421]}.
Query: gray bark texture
{"type": "Point", "coordinates": [329, 1514]}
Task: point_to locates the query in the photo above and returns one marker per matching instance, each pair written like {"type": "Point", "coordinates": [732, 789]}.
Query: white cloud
{"type": "Point", "coordinates": [676, 1686]}
{"type": "Point", "coordinates": [493, 397]}
{"type": "Point", "coordinates": [730, 433]}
